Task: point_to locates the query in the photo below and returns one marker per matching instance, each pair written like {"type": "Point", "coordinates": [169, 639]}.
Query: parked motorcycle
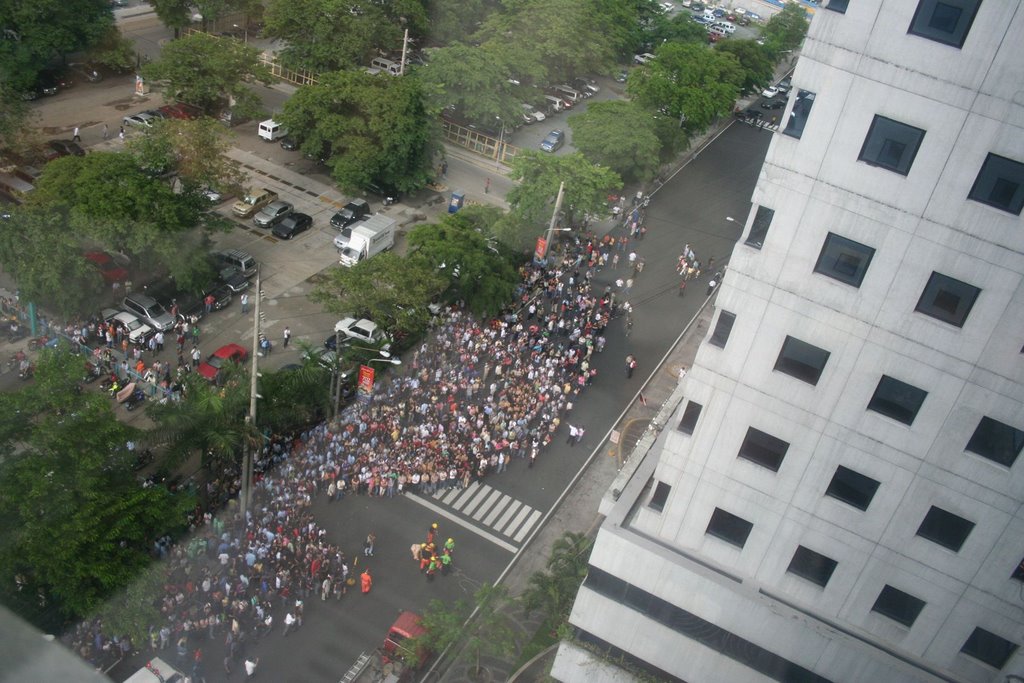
{"type": "Point", "coordinates": [137, 398]}
{"type": "Point", "coordinates": [27, 370]}
{"type": "Point", "coordinates": [37, 343]}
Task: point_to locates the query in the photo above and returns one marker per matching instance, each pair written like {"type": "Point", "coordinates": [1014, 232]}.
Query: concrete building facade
{"type": "Point", "coordinates": [838, 494]}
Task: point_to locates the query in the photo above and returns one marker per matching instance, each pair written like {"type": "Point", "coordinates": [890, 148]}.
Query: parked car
{"type": "Point", "coordinates": [356, 210]}
{"type": "Point", "coordinates": [253, 202]}
{"type": "Point", "coordinates": [293, 224]}
{"type": "Point", "coordinates": [220, 359]}
{"type": "Point", "coordinates": [151, 312]}
{"type": "Point", "coordinates": [770, 91]}
{"type": "Point", "coordinates": [180, 110]}
{"type": "Point", "coordinates": [89, 72]}
{"type": "Point", "coordinates": [190, 305]}
{"type": "Point", "coordinates": [388, 193]}
{"type": "Point", "coordinates": [362, 331]}
{"type": "Point", "coordinates": [233, 279]}
{"type": "Point", "coordinates": [587, 86]}
{"type": "Point", "coordinates": [140, 120]}
{"type": "Point", "coordinates": [109, 268]}
{"type": "Point", "coordinates": [642, 58]}
{"type": "Point", "coordinates": [138, 331]}
{"type": "Point", "coordinates": [272, 213]}
{"type": "Point", "coordinates": [554, 140]}
{"type": "Point", "coordinates": [289, 143]}
{"type": "Point", "coordinates": [65, 148]}
{"type": "Point", "coordinates": [531, 114]}
{"type": "Point", "coordinates": [773, 104]}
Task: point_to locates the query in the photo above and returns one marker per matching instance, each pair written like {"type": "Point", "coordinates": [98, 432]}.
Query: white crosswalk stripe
{"type": "Point", "coordinates": [497, 515]}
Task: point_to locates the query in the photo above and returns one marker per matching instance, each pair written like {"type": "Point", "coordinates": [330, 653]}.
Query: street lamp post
{"type": "Point", "coordinates": [501, 142]}
{"type": "Point", "coordinates": [337, 377]}
{"type": "Point", "coordinates": [250, 419]}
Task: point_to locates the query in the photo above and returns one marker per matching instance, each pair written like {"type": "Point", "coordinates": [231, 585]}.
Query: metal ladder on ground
{"type": "Point", "coordinates": [362, 661]}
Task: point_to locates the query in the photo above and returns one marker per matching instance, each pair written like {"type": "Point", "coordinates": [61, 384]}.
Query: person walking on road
{"type": "Point", "coordinates": [487, 186]}
{"type": "Point", "coordinates": [76, 137]}
{"type": "Point", "coordinates": [365, 581]}
{"type": "Point", "coordinates": [572, 435]}
{"type": "Point", "coordinates": [244, 300]}
{"type": "Point", "coordinates": [287, 336]}
{"type": "Point", "coordinates": [250, 667]}
{"type": "Point", "coordinates": [630, 366]}
{"type": "Point", "coordinates": [371, 538]}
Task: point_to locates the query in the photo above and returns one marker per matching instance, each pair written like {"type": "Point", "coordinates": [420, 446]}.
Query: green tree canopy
{"type": "Point", "coordinates": [175, 14]}
{"type": "Point", "coordinates": [195, 150]}
{"type": "Point", "coordinates": [690, 81]}
{"type": "Point", "coordinates": [331, 35]}
{"type": "Point", "coordinates": [376, 127]}
{"type": "Point", "coordinates": [386, 289]}
{"type": "Point", "coordinates": [35, 33]}
{"type": "Point", "coordinates": [617, 134]}
{"type": "Point", "coordinates": [207, 71]}
{"type": "Point", "coordinates": [475, 82]}
{"type": "Point", "coordinates": [454, 20]}
{"type": "Point", "coordinates": [77, 525]}
{"type": "Point", "coordinates": [586, 187]}
{"type": "Point", "coordinates": [786, 30]}
{"type": "Point", "coordinates": [487, 279]}
{"type": "Point", "coordinates": [114, 51]}
{"type": "Point", "coordinates": [755, 61]}
{"type": "Point", "coordinates": [680, 28]}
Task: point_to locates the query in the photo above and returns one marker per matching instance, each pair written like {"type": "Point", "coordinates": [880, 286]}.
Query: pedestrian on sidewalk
{"type": "Point", "coordinates": [487, 186]}
{"type": "Point", "coordinates": [711, 285]}
{"type": "Point", "coordinates": [444, 168]}
{"type": "Point", "coordinates": [121, 134]}
{"type": "Point", "coordinates": [106, 132]}
{"type": "Point", "coordinates": [244, 300]}
{"type": "Point", "coordinates": [76, 137]}
{"type": "Point", "coordinates": [196, 355]}
{"type": "Point", "coordinates": [287, 336]}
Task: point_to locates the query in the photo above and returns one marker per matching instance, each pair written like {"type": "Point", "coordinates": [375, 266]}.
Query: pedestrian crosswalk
{"type": "Point", "coordinates": [495, 515]}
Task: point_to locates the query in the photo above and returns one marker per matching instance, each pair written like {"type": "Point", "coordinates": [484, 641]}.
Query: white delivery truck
{"type": "Point", "coordinates": [369, 238]}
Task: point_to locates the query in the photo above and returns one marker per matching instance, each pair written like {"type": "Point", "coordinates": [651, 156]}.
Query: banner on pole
{"type": "Point", "coordinates": [365, 380]}
{"type": "Point", "coordinates": [541, 250]}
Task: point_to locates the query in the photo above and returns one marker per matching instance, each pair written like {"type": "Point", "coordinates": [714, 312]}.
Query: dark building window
{"type": "Point", "coordinates": [812, 566]}
{"type": "Point", "coordinates": [989, 648]}
{"type": "Point", "coordinates": [996, 441]}
{"type": "Point", "coordinates": [898, 606]}
{"type": "Point", "coordinates": [945, 528]}
{"type": "Point", "coordinates": [944, 21]}
{"type": "Point", "coordinates": [690, 416]}
{"type": "Point", "coordinates": [729, 527]}
{"type": "Point", "coordinates": [660, 496]}
{"type": "Point", "coordinates": [798, 115]}
{"type": "Point", "coordinates": [891, 145]}
{"type": "Point", "coordinates": [722, 329]}
{"type": "Point", "coordinates": [1000, 183]}
{"type": "Point", "coordinates": [853, 488]}
{"type": "Point", "coordinates": [1018, 572]}
{"type": "Point", "coordinates": [801, 360]}
{"type": "Point", "coordinates": [947, 299]}
{"type": "Point", "coordinates": [763, 449]}
{"type": "Point", "coordinates": [837, 5]}
{"type": "Point", "coordinates": [844, 260]}
{"type": "Point", "coordinates": [759, 228]}
{"type": "Point", "coordinates": [897, 400]}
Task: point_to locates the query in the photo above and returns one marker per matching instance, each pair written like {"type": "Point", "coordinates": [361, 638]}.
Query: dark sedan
{"type": "Point", "coordinates": [291, 225]}
{"type": "Point", "coordinates": [773, 104]}
{"type": "Point", "coordinates": [66, 148]}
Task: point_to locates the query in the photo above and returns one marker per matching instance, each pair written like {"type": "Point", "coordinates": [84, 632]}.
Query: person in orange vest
{"type": "Point", "coordinates": [366, 581]}
{"type": "Point", "coordinates": [431, 533]}
{"type": "Point", "coordinates": [426, 554]}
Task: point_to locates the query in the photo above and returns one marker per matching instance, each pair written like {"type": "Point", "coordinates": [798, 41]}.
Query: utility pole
{"type": "Point", "coordinates": [405, 48]}
{"type": "Point", "coordinates": [554, 218]}
{"type": "Point", "coordinates": [250, 419]}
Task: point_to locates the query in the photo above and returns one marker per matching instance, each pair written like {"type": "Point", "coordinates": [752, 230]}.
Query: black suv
{"type": "Point", "coordinates": [190, 305]}
{"type": "Point", "coordinates": [356, 210]}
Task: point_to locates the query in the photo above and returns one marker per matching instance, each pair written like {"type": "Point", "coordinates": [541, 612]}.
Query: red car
{"type": "Point", "coordinates": [229, 353]}
{"type": "Point", "coordinates": [107, 266]}
{"type": "Point", "coordinates": [181, 110]}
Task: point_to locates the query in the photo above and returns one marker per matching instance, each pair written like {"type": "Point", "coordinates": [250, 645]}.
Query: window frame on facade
{"type": "Point", "coordinates": [945, 528]}
{"type": "Point", "coordinates": [728, 527]}
{"type": "Point", "coordinates": [996, 441]}
{"type": "Point", "coordinates": [900, 606]}
{"type": "Point", "coordinates": [922, 25]}
{"type": "Point", "coordinates": [851, 487]}
{"type": "Point", "coordinates": [759, 227]}
{"type": "Point", "coordinates": [988, 647]}
{"type": "Point", "coordinates": [812, 566]}
{"type": "Point", "coordinates": [691, 414]}
{"type": "Point", "coordinates": [887, 139]}
{"type": "Point", "coordinates": [799, 114]}
{"type": "Point", "coordinates": [660, 496]}
{"type": "Point", "coordinates": [992, 173]}
{"type": "Point", "coordinates": [844, 259]}
{"type": "Point", "coordinates": [761, 448]}
{"type": "Point", "coordinates": [937, 299]}
{"type": "Point", "coordinates": [886, 404]}
{"type": "Point", "coordinates": [801, 360]}
{"type": "Point", "coordinates": [723, 329]}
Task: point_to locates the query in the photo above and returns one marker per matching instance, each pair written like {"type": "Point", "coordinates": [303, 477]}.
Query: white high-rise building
{"type": "Point", "coordinates": [838, 496]}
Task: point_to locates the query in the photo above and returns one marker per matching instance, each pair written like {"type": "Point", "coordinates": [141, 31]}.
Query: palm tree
{"type": "Point", "coordinates": [554, 589]}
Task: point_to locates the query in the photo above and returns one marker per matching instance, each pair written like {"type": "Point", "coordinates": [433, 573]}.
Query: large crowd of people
{"type": "Point", "coordinates": [471, 400]}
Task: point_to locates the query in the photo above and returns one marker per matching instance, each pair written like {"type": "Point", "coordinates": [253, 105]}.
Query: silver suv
{"type": "Point", "coordinates": [152, 313]}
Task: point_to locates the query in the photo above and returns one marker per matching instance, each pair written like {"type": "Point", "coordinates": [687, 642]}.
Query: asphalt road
{"type": "Point", "coordinates": [692, 207]}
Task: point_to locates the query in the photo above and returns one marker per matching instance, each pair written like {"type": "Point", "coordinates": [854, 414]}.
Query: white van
{"type": "Point", "coordinates": [386, 65]}
{"type": "Point", "coordinates": [553, 103]}
{"type": "Point", "coordinates": [271, 130]}
{"type": "Point", "coordinates": [718, 31]}
{"type": "Point", "coordinates": [726, 26]}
